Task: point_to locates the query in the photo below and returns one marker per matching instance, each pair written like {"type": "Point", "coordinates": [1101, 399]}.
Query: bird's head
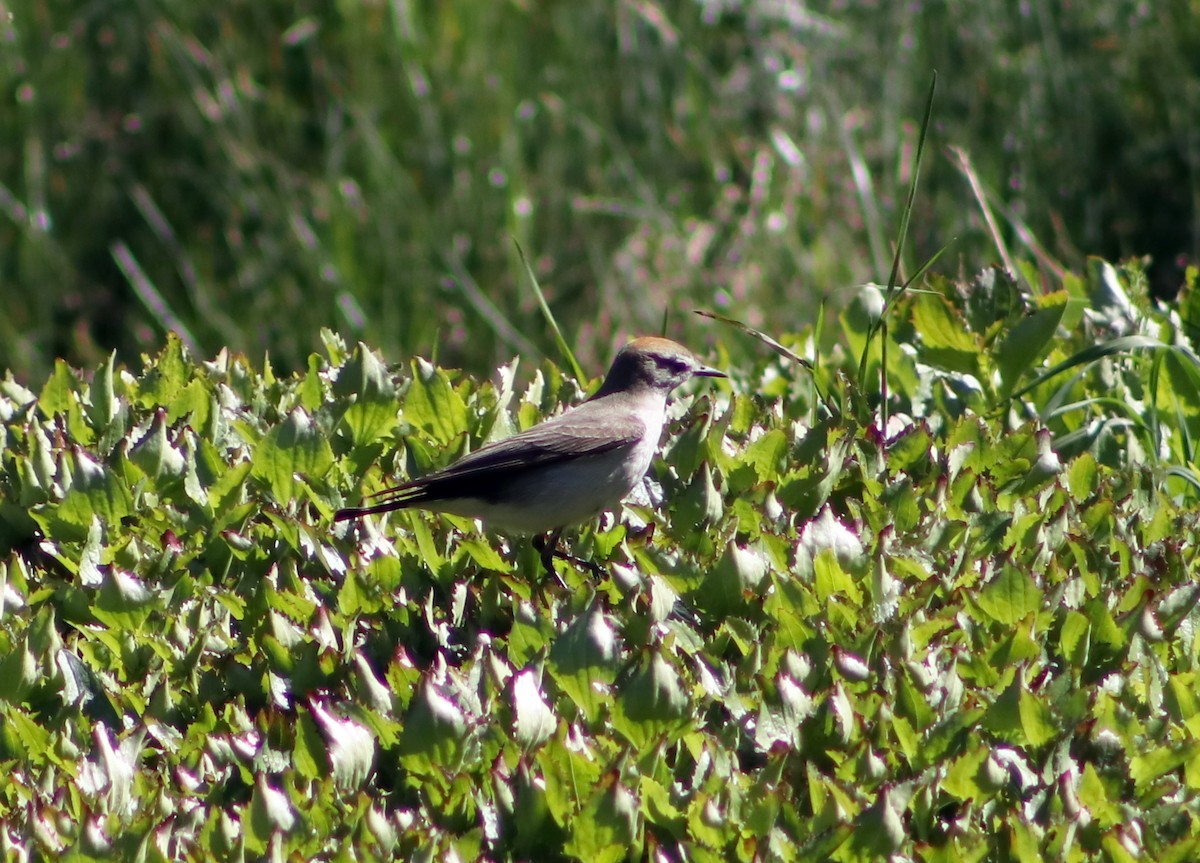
{"type": "Point", "coordinates": [655, 364]}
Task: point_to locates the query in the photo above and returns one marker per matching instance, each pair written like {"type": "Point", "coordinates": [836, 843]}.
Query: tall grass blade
{"type": "Point", "coordinates": [563, 347]}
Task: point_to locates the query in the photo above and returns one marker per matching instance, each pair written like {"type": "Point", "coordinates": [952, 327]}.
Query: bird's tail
{"type": "Point", "coordinates": [400, 497]}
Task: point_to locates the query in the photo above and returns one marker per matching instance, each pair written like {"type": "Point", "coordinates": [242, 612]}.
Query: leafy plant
{"type": "Point", "coordinates": [967, 635]}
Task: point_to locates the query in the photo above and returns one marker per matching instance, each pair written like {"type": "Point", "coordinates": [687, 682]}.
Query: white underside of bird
{"type": "Point", "coordinates": [549, 490]}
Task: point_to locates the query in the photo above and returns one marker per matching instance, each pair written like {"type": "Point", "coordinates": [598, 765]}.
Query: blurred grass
{"type": "Point", "coordinates": [246, 172]}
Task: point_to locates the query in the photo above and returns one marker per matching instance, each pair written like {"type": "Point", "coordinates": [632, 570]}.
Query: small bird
{"type": "Point", "coordinates": [567, 469]}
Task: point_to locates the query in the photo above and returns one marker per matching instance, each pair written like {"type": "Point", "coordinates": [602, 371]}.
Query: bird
{"type": "Point", "coordinates": [566, 469]}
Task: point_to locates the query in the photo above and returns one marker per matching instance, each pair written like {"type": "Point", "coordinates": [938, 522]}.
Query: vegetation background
{"type": "Point", "coordinates": [955, 623]}
{"type": "Point", "coordinates": [247, 172]}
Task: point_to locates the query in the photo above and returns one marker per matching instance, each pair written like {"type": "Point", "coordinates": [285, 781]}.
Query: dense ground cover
{"type": "Point", "coordinates": [965, 630]}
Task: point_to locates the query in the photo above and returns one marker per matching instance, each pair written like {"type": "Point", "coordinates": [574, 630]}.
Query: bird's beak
{"type": "Point", "coordinates": [709, 372]}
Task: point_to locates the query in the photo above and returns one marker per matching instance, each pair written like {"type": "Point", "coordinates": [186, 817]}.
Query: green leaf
{"type": "Point", "coordinates": [269, 812]}
{"type": "Point", "coordinates": [583, 662]}
{"type": "Point", "coordinates": [962, 778]}
{"type": "Point", "coordinates": [1074, 638]}
{"type": "Point", "coordinates": [96, 492]}
{"type": "Point", "coordinates": [831, 581]}
{"type": "Point", "coordinates": [60, 396]}
{"type": "Point", "coordinates": [308, 753]}
{"type": "Point", "coordinates": [651, 703]}
{"type": "Point", "coordinates": [1095, 796]}
{"type": "Point", "coordinates": [766, 455]}
{"type": "Point", "coordinates": [166, 377]}
{"type": "Point", "coordinates": [293, 450]}
{"type": "Point", "coordinates": [944, 335]}
{"type": "Point", "coordinates": [373, 412]}
{"type": "Point", "coordinates": [18, 673]}
{"type": "Point", "coordinates": [534, 721]}
{"type": "Point", "coordinates": [658, 808]}
{"type": "Point", "coordinates": [1010, 597]}
{"type": "Point", "coordinates": [434, 731]}
{"type": "Point", "coordinates": [433, 406]}
{"type": "Point", "coordinates": [1092, 353]}
{"type": "Point", "coordinates": [536, 828]}
{"type": "Point", "coordinates": [604, 830]}
{"type": "Point", "coordinates": [104, 406]}
{"type": "Point", "coordinates": [739, 573]}
{"type": "Point", "coordinates": [1024, 844]}
{"type": "Point", "coordinates": [483, 554]}
{"type": "Point", "coordinates": [991, 297]}
{"type": "Point", "coordinates": [1145, 768]}
{"type": "Point", "coordinates": [24, 737]}
{"type": "Point", "coordinates": [1082, 476]}
{"type": "Point", "coordinates": [312, 390]}
{"type": "Point", "coordinates": [910, 450]}
{"type": "Point", "coordinates": [124, 602]}
{"type": "Point", "coordinates": [569, 777]}
{"type": "Point", "coordinates": [1182, 699]}
{"type": "Point", "coordinates": [1004, 715]}
{"type": "Point", "coordinates": [1037, 720]}
{"type": "Point", "coordinates": [1029, 341]}
{"type": "Point", "coordinates": [155, 455]}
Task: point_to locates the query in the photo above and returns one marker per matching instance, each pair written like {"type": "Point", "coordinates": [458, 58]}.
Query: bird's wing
{"type": "Point", "coordinates": [584, 431]}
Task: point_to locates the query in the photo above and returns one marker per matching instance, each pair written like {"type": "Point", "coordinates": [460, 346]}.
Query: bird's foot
{"type": "Point", "coordinates": [547, 547]}
{"type": "Point", "coordinates": [591, 566]}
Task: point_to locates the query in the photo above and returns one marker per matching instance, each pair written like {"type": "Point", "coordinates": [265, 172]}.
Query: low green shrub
{"type": "Point", "coordinates": [949, 619]}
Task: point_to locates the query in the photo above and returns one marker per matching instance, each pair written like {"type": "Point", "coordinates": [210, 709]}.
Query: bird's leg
{"type": "Point", "coordinates": [591, 566]}
{"type": "Point", "coordinates": [547, 546]}
{"type": "Point", "coordinates": [594, 568]}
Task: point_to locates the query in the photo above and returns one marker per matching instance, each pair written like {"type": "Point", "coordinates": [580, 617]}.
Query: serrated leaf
{"type": "Point", "coordinates": [1073, 638]}
{"type": "Point", "coordinates": [269, 811]}
{"type": "Point", "coordinates": [18, 673]}
{"type": "Point", "coordinates": [583, 662]}
{"type": "Point", "coordinates": [434, 731]}
{"type": "Point", "coordinates": [568, 774]}
{"type": "Point", "coordinates": [155, 455]}
{"type": "Point", "coordinates": [1147, 766]}
{"type": "Point", "coordinates": [605, 828]}
{"type": "Point", "coordinates": [483, 554]}
{"type": "Point", "coordinates": [24, 737]}
{"type": "Point", "coordinates": [831, 581]}
{"type": "Point", "coordinates": [433, 405]}
{"type": "Point", "coordinates": [738, 574]}
{"type": "Point", "coordinates": [944, 334]}
{"type": "Point", "coordinates": [534, 720]}
{"type": "Point", "coordinates": [291, 450]}
{"type": "Point", "coordinates": [166, 377]}
{"type": "Point", "coordinates": [766, 455]}
{"type": "Point", "coordinates": [351, 748]}
{"type": "Point", "coordinates": [1027, 343]}
{"type": "Point", "coordinates": [96, 492]}
{"type": "Point", "coordinates": [102, 397]}
{"type": "Point", "coordinates": [60, 396]}
{"type": "Point", "coordinates": [312, 390]}
{"type": "Point", "coordinates": [1010, 597]}
{"type": "Point", "coordinates": [1095, 796]}
{"type": "Point", "coordinates": [309, 750]}
{"type": "Point", "coordinates": [374, 411]}
{"type": "Point", "coordinates": [651, 703]}
{"type": "Point", "coordinates": [962, 778]}
{"type": "Point", "coordinates": [1024, 844]}
{"type": "Point", "coordinates": [1037, 720]}
{"type": "Point", "coordinates": [124, 602]}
